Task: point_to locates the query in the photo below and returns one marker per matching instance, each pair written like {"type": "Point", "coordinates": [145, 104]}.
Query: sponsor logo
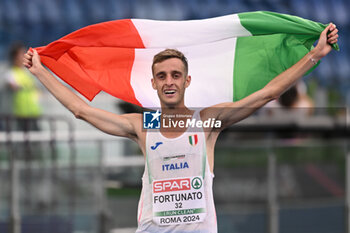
{"type": "Point", "coordinates": [196, 183]}
{"type": "Point", "coordinates": [193, 139]}
{"type": "Point", "coordinates": [171, 185]}
{"type": "Point", "coordinates": [156, 145]}
{"type": "Point", "coordinates": [174, 166]}
{"type": "Point", "coordinates": [151, 120]}
{"type": "Point", "coordinates": [167, 158]}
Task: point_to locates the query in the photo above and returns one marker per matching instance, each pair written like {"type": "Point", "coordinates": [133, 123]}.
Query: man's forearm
{"type": "Point", "coordinates": [285, 80]}
{"type": "Point", "coordinates": [69, 99]}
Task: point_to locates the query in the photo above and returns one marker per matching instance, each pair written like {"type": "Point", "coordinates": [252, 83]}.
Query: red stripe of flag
{"type": "Point", "coordinates": [97, 57]}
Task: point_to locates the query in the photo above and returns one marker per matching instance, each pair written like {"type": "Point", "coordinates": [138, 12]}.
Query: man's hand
{"type": "Point", "coordinates": [31, 60]}
{"type": "Point", "coordinates": [323, 46]}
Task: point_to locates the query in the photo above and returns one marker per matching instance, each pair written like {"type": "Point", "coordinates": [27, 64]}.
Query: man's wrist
{"type": "Point", "coordinates": [315, 55]}
{"type": "Point", "coordinates": [40, 70]}
{"type": "Point", "coordinates": [313, 60]}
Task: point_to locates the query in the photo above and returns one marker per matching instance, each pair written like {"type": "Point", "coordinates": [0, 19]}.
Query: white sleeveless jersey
{"type": "Point", "coordinates": [177, 185]}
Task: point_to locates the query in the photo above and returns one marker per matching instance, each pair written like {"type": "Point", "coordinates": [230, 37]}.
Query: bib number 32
{"type": "Point", "coordinates": [178, 201]}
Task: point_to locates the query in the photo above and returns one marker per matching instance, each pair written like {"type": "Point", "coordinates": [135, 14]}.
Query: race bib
{"type": "Point", "coordinates": [178, 201]}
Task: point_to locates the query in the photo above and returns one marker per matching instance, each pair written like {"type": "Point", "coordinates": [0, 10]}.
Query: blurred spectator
{"type": "Point", "coordinates": [296, 97]}
{"type": "Point", "coordinates": [293, 103]}
{"type": "Point", "coordinates": [25, 98]}
{"type": "Point", "coordinates": [5, 99]}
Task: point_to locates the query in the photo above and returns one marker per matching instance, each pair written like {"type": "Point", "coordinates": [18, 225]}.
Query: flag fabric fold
{"type": "Point", "coordinates": [229, 57]}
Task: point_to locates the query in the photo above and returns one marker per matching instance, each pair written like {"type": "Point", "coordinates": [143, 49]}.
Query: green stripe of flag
{"type": "Point", "coordinates": [190, 139]}
{"type": "Point", "coordinates": [278, 42]}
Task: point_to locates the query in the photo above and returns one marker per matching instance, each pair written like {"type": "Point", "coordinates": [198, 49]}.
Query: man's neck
{"type": "Point", "coordinates": [177, 110]}
{"type": "Point", "coordinates": [175, 114]}
{"type": "Point", "coordinates": [173, 109]}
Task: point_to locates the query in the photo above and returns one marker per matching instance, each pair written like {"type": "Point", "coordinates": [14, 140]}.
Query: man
{"type": "Point", "coordinates": [25, 101]}
{"type": "Point", "coordinates": [177, 183]}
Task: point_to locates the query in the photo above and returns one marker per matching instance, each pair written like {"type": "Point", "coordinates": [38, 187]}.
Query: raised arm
{"type": "Point", "coordinates": [119, 125]}
{"type": "Point", "coordinates": [229, 113]}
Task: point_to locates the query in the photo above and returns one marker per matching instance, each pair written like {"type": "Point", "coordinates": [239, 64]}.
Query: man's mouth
{"type": "Point", "coordinates": [169, 92]}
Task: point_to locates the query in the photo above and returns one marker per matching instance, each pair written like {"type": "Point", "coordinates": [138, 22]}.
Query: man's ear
{"type": "Point", "coordinates": [153, 84]}
{"type": "Point", "coordinates": [188, 81]}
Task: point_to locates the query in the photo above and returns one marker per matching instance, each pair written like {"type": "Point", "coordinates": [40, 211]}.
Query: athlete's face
{"type": "Point", "coordinates": [170, 81]}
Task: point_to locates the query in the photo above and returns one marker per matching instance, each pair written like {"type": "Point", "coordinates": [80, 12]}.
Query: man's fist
{"type": "Point", "coordinates": [31, 60]}
{"type": "Point", "coordinates": [323, 46]}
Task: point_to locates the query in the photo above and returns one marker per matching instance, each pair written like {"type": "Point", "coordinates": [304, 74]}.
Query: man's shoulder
{"type": "Point", "coordinates": [209, 112]}
{"type": "Point", "coordinates": [136, 120]}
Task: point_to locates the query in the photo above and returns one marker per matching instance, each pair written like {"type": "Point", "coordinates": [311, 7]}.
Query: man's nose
{"type": "Point", "coordinates": [169, 80]}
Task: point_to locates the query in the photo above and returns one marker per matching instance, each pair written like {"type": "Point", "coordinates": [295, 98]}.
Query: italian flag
{"type": "Point", "coordinates": [229, 57]}
{"type": "Point", "coordinates": [193, 139]}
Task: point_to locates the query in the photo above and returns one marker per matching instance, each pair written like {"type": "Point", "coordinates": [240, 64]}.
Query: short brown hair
{"type": "Point", "coordinates": [167, 54]}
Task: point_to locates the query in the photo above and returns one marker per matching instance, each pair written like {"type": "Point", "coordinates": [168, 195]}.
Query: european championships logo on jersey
{"type": "Point", "coordinates": [151, 120]}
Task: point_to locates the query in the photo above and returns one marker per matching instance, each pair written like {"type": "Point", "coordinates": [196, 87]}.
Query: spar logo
{"type": "Point", "coordinates": [172, 185]}
{"type": "Point", "coordinates": [196, 183]}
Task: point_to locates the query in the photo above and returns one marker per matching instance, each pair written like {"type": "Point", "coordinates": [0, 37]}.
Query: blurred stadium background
{"type": "Point", "coordinates": [273, 174]}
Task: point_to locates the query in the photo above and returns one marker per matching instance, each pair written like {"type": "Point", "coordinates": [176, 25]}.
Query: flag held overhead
{"type": "Point", "coordinates": [236, 54]}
